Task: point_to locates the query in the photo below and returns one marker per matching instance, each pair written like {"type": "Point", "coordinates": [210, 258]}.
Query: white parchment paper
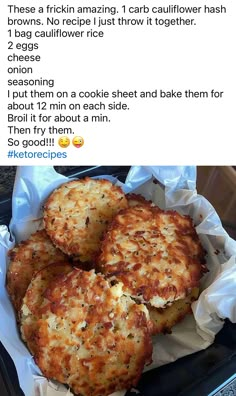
{"type": "Point", "coordinates": [170, 188]}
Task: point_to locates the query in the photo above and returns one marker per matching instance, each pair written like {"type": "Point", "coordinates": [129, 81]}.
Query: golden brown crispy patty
{"type": "Point", "coordinates": [157, 255]}
{"type": "Point", "coordinates": [164, 319]}
{"type": "Point", "coordinates": [32, 305]}
{"type": "Point", "coordinates": [26, 258]}
{"type": "Point", "coordinates": [91, 336]}
{"type": "Point", "coordinates": [77, 214]}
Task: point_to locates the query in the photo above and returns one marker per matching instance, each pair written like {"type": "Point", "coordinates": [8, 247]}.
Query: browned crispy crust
{"type": "Point", "coordinates": [91, 336]}
{"type": "Point", "coordinates": [26, 258]}
{"type": "Point", "coordinates": [77, 214]}
{"type": "Point", "coordinates": [156, 254]}
{"type": "Point", "coordinates": [164, 319]}
{"type": "Point", "coordinates": [32, 305]}
{"type": "Point", "coordinates": [137, 199]}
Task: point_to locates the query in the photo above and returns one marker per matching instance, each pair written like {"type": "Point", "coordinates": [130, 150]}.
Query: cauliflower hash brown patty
{"type": "Point", "coordinates": [91, 336]}
{"type": "Point", "coordinates": [156, 254]}
{"type": "Point", "coordinates": [32, 304]}
{"type": "Point", "coordinates": [26, 258]}
{"type": "Point", "coordinates": [163, 319]}
{"type": "Point", "coordinates": [77, 214]}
